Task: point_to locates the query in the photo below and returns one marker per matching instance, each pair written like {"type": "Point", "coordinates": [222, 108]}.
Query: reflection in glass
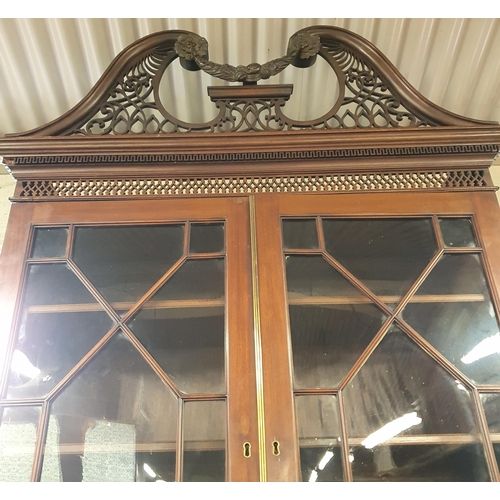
{"type": "Point", "coordinates": [491, 405]}
{"type": "Point", "coordinates": [387, 255]}
{"type": "Point", "coordinates": [312, 276]}
{"type": "Point", "coordinates": [457, 232]}
{"type": "Point", "coordinates": [401, 392]}
{"type": "Point", "coordinates": [204, 424]}
{"type": "Point", "coordinates": [328, 339]}
{"type": "Point", "coordinates": [187, 343]}
{"type": "Point", "coordinates": [460, 321]}
{"type": "Point", "coordinates": [319, 438]}
{"type": "Point", "coordinates": [49, 242]}
{"type": "Point", "coordinates": [123, 263]}
{"type": "Point", "coordinates": [113, 409]}
{"type": "Point", "coordinates": [206, 238]}
{"type": "Point", "coordinates": [419, 463]}
{"type": "Point", "coordinates": [153, 467]}
{"type": "Point", "coordinates": [50, 284]}
{"type": "Point", "coordinates": [18, 428]}
{"type": "Point", "coordinates": [300, 234]}
{"type": "Point", "coordinates": [48, 346]}
{"type": "Point", "coordinates": [196, 279]}
{"type": "Point", "coordinates": [455, 274]}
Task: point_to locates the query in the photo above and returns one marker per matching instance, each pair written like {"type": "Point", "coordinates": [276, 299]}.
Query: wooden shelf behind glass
{"type": "Point", "coordinates": [125, 306]}
{"type": "Point", "coordinates": [388, 299]}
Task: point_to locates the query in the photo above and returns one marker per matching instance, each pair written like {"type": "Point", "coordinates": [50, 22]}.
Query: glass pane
{"type": "Point", "coordinates": [312, 276]}
{"type": "Point", "coordinates": [153, 467]}
{"type": "Point", "coordinates": [402, 398]}
{"type": "Point", "coordinates": [48, 346]}
{"type": "Point", "coordinates": [123, 263]}
{"type": "Point", "coordinates": [50, 284]}
{"type": "Point", "coordinates": [328, 339]}
{"type": "Point", "coordinates": [50, 242]}
{"type": "Point", "coordinates": [319, 438]}
{"type": "Point", "coordinates": [300, 234]}
{"type": "Point", "coordinates": [491, 405]}
{"type": "Point", "coordinates": [187, 343]}
{"type": "Point", "coordinates": [196, 279]}
{"type": "Point", "coordinates": [204, 424]}
{"type": "Point", "coordinates": [115, 408]}
{"type": "Point", "coordinates": [455, 274]}
{"type": "Point", "coordinates": [422, 463]}
{"type": "Point", "coordinates": [387, 255]}
{"type": "Point", "coordinates": [457, 232]}
{"type": "Point", "coordinates": [18, 428]}
{"type": "Point", "coordinates": [453, 311]}
{"type": "Point", "coordinates": [206, 238]}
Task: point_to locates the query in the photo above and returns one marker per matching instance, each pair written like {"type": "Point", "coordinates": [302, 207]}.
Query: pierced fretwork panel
{"type": "Point", "coordinates": [95, 188]}
{"type": "Point", "coordinates": [368, 101]}
{"type": "Point", "coordinates": [134, 105]}
{"type": "Point", "coordinates": [136, 96]}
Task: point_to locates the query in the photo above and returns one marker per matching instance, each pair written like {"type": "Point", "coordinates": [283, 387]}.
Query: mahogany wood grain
{"type": "Point", "coordinates": [14, 252]}
{"type": "Point", "coordinates": [487, 225]}
{"type": "Point", "coordinates": [377, 204]}
{"type": "Point", "coordinates": [279, 410]}
{"type": "Point", "coordinates": [276, 350]}
{"type": "Point", "coordinates": [242, 396]}
{"type": "Point", "coordinates": [391, 205]}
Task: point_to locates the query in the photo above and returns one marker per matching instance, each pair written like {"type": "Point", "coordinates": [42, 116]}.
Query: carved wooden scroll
{"type": "Point", "coordinates": [372, 93]}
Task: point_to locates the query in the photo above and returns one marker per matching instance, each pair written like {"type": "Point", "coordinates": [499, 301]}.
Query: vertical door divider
{"type": "Point", "coordinates": [259, 376]}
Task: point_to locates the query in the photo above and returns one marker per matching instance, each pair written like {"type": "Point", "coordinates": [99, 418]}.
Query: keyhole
{"type": "Point", "coordinates": [276, 448]}
{"type": "Point", "coordinates": [246, 450]}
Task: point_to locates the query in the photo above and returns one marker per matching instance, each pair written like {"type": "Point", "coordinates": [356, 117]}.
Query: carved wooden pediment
{"type": "Point", "coordinates": [371, 91]}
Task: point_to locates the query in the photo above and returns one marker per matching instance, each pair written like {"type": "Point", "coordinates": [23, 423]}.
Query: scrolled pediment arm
{"type": "Point", "coordinates": [399, 86]}
{"type": "Point", "coordinates": [99, 93]}
{"type": "Point", "coordinates": [376, 93]}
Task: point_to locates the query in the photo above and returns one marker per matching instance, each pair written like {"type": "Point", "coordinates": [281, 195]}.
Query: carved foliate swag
{"type": "Point", "coordinates": [301, 46]}
{"type": "Point", "coordinates": [371, 92]}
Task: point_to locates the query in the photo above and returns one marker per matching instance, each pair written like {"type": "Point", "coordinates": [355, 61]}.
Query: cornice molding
{"type": "Point", "coordinates": [252, 154]}
{"type": "Point", "coordinates": [307, 140]}
{"type": "Point", "coordinates": [138, 159]}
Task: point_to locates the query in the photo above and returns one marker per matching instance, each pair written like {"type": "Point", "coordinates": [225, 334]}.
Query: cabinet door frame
{"type": "Point", "coordinates": [280, 419]}
{"type": "Point", "coordinates": [240, 354]}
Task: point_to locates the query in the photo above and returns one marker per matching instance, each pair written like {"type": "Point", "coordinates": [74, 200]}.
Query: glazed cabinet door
{"type": "Point", "coordinates": [380, 336]}
{"type": "Point", "coordinates": [131, 356]}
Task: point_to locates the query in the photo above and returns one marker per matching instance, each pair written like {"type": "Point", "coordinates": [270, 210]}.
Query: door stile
{"type": "Point", "coordinates": [280, 422]}
{"type": "Point", "coordinates": [259, 385]}
{"type": "Point", "coordinates": [12, 266]}
{"type": "Point", "coordinates": [241, 362]}
{"type": "Point", "coordinates": [487, 226]}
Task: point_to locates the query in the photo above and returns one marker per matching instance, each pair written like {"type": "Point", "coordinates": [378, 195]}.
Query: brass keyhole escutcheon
{"type": "Point", "coordinates": [276, 448]}
{"type": "Point", "coordinates": [247, 449]}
